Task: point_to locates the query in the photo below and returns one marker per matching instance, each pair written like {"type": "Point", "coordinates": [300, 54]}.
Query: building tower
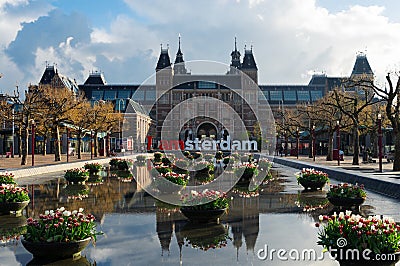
{"type": "Point", "coordinates": [179, 65]}
{"type": "Point", "coordinates": [361, 68]}
{"type": "Point", "coordinates": [235, 61]}
{"type": "Point", "coordinates": [249, 66]}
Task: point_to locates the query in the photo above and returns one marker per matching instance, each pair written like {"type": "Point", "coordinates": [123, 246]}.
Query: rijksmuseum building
{"type": "Point", "coordinates": [177, 84]}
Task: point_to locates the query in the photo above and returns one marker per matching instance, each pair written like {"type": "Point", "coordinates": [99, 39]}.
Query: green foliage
{"type": "Point", "coordinates": [7, 178]}
{"type": "Point", "coordinates": [76, 175]}
{"type": "Point", "coordinates": [61, 226]}
{"type": "Point", "coordinates": [11, 193]}
{"type": "Point", "coordinates": [311, 175]}
{"type": "Point", "coordinates": [93, 167]}
{"type": "Point", "coordinates": [381, 235]}
{"type": "Point", "coordinates": [347, 191]}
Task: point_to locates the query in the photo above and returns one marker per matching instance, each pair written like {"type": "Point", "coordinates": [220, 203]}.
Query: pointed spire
{"type": "Point", "coordinates": [179, 65]}
{"type": "Point", "coordinates": [235, 62]}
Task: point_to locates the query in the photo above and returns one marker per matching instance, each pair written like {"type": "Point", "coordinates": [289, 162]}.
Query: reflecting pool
{"type": "Point", "coordinates": [139, 230]}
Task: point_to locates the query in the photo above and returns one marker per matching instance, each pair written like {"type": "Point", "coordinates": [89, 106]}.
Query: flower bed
{"type": "Point", "coordinates": [179, 179]}
{"type": "Point", "coordinates": [76, 175]}
{"type": "Point", "coordinates": [346, 195]}
{"type": "Point", "coordinates": [311, 178]}
{"type": "Point", "coordinates": [160, 170]}
{"type": "Point", "coordinates": [246, 171]}
{"type": "Point", "coordinates": [120, 164]}
{"type": "Point", "coordinates": [205, 200]}
{"type": "Point", "coordinates": [93, 167]}
{"type": "Point", "coordinates": [7, 178]}
{"type": "Point", "coordinates": [379, 235]}
{"type": "Point", "coordinates": [57, 227]}
{"type": "Point", "coordinates": [264, 164]}
{"type": "Point", "coordinates": [61, 225]}
{"type": "Point", "coordinates": [11, 193]}
{"type": "Point", "coordinates": [181, 166]}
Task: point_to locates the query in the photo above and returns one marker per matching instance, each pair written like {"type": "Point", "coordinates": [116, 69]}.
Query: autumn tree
{"type": "Point", "coordinates": [56, 104]}
{"type": "Point", "coordinates": [351, 102]}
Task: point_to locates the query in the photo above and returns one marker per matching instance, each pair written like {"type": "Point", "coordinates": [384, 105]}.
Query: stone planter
{"type": "Point", "coordinates": [13, 207]}
{"type": "Point", "coordinates": [202, 216]}
{"type": "Point", "coordinates": [312, 185]}
{"type": "Point", "coordinates": [56, 249]}
{"type": "Point", "coordinates": [346, 202]}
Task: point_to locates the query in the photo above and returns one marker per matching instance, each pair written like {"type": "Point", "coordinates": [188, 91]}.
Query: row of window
{"type": "Point", "coordinates": [140, 95]}
{"type": "Point", "coordinates": [150, 95]}
{"type": "Point", "coordinates": [292, 95]}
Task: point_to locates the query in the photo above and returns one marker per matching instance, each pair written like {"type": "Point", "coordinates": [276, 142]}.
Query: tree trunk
{"type": "Point", "coordinates": [396, 161]}
{"type": "Point", "coordinates": [356, 144]}
{"type": "Point", "coordinates": [95, 144]}
{"type": "Point", "coordinates": [79, 143]}
{"type": "Point", "coordinates": [44, 144]}
{"type": "Point", "coordinates": [329, 156]}
{"type": "Point", "coordinates": [24, 145]}
{"type": "Point", "coordinates": [57, 147]}
{"type": "Point", "coordinates": [20, 142]}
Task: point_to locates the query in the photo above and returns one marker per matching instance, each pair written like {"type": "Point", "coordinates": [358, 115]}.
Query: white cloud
{"type": "Point", "coordinates": [291, 39]}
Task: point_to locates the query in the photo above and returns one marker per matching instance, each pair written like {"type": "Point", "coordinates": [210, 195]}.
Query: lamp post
{"type": "Point", "coordinates": [33, 141]}
{"type": "Point", "coordinates": [91, 145]}
{"type": "Point", "coordinates": [67, 144]}
{"type": "Point", "coordinates": [13, 132]}
{"type": "Point", "coordinates": [379, 122]}
{"type": "Point", "coordinates": [297, 142]}
{"type": "Point", "coordinates": [286, 143]}
{"type": "Point", "coordinates": [338, 141]}
{"type": "Point", "coordinates": [119, 123]}
{"type": "Point", "coordinates": [313, 142]}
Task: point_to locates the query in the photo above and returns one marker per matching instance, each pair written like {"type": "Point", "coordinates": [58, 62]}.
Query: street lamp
{"type": "Point", "coordinates": [313, 142]}
{"type": "Point", "coordinates": [13, 132]}
{"type": "Point", "coordinates": [67, 144]}
{"type": "Point", "coordinates": [286, 143]}
{"type": "Point", "coordinates": [338, 141]}
{"type": "Point", "coordinates": [297, 142]}
{"type": "Point", "coordinates": [379, 122]}
{"type": "Point", "coordinates": [119, 123]}
{"type": "Point", "coordinates": [33, 141]}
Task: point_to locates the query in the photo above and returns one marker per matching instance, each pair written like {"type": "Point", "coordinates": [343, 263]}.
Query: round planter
{"type": "Point", "coordinates": [312, 185]}
{"type": "Point", "coordinates": [361, 261]}
{"type": "Point", "coordinates": [346, 202]}
{"type": "Point", "coordinates": [77, 179]}
{"type": "Point", "coordinates": [205, 236]}
{"type": "Point", "coordinates": [56, 249]}
{"type": "Point", "coordinates": [17, 207]}
{"type": "Point", "coordinates": [202, 216]}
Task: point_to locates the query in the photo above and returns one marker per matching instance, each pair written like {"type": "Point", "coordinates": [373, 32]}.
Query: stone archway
{"type": "Point", "coordinates": [207, 130]}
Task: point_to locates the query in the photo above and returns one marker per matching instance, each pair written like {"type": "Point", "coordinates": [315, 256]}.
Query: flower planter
{"type": "Point", "coordinates": [312, 185]}
{"type": "Point", "coordinates": [346, 202]}
{"type": "Point", "coordinates": [202, 216]}
{"type": "Point", "coordinates": [16, 207]}
{"type": "Point", "coordinates": [205, 236]}
{"type": "Point", "coordinates": [56, 249]}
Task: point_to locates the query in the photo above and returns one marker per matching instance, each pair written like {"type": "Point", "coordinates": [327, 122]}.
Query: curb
{"type": "Point", "coordinates": [39, 170]}
{"type": "Point", "coordinates": [382, 184]}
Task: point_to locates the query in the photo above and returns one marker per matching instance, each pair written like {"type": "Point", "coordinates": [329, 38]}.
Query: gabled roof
{"type": "Point", "coordinates": [48, 75]}
{"type": "Point", "coordinates": [164, 60]}
{"type": "Point", "coordinates": [361, 66]}
{"type": "Point", "coordinates": [248, 60]}
{"type": "Point", "coordinates": [96, 78]}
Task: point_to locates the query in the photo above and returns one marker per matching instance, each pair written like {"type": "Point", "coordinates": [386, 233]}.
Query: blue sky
{"type": "Point", "coordinates": [291, 39]}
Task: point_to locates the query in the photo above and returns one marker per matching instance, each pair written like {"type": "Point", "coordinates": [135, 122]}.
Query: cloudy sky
{"type": "Point", "coordinates": [291, 38]}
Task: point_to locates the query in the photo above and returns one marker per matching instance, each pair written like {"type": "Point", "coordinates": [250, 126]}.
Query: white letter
{"type": "Point", "coordinates": [206, 145]}
{"type": "Point", "coordinates": [196, 144]}
{"type": "Point", "coordinates": [281, 254]}
{"type": "Point", "coordinates": [189, 145]}
{"type": "Point", "coordinates": [236, 145]}
{"type": "Point", "coordinates": [225, 144]}
{"type": "Point", "coordinates": [249, 145]}
{"type": "Point", "coordinates": [263, 250]}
